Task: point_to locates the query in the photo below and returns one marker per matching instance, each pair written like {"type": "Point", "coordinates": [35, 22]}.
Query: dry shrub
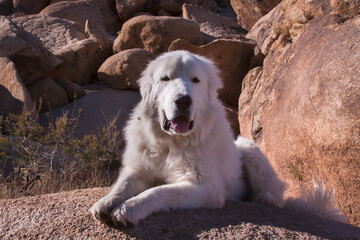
{"type": "Point", "coordinates": [36, 160]}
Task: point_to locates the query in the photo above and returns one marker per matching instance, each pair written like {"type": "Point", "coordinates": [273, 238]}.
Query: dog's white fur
{"type": "Point", "coordinates": [202, 167]}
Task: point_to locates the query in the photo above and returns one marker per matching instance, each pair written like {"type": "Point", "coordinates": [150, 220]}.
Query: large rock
{"type": "Point", "coordinates": [288, 19]}
{"type": "Point", "coordinates": [84, 12]}
{"type": "Point", "coordinates": [31, 59]}
{"type": "Point", "coordinates": [250, 11]}
{"type": "Point", "coordinates": [96, 109]}
{"type": "Point", "coordinates": [9, 104]}
{"type": "Point", "coordinates": [123, 69]}
{"type": "Point", "coordinates": [155, 34]}
{"type": "Point", "coordinates": [30, 6]}
{"type": "Point", "coordinates": [78, 11]}
{"type": "Point", "coordinates": [174, 6]}
{"type": "Point", "coordinates": [298, 13]}
{"type": "Point", "coordinates": [231, 56]}
{"type": "Point", "coordinates": [73, 91]}
{"type": "Point", "coordinates": [348, 8]}
{"type": "Point", "coordinates": [47, 94]}
{"type": "Point", "coordinates": [19, 97]}
{"type": "Point", "coordinates": [211, 24]}
{"type": "Point", "coordinates": [302, 109]}
{"type": "Point", "coordinates": [107, 8]}
{"type": "Point", "coordinates": [267, 30]}
{"type": "Point", "coordinates": [65, 216]}
{"type": "Point", "coordinates": [127, 8]}
{"type": "Point", "coordinates": [111, 20]}
{"type": "Point", "coordinates": [81, 52]}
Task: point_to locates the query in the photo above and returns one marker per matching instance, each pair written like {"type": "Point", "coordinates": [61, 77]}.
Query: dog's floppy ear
{"type": "Point", "coordinates": [214, 79]}
{"type": "Point", "coordinates": [145, 83]}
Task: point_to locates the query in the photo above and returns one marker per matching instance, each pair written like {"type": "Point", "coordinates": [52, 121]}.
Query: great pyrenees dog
{"type": "Point", "coordinates": [180, 152]}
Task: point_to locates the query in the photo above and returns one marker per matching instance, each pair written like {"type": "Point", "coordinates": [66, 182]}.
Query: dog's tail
{"type": "Point", "coordinates": [264, 186]}
{"type": "Point", "coordinates": [318, 201]}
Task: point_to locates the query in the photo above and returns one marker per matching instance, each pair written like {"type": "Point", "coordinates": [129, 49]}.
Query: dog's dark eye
{"type": "Point", "coordinates": [165, 78]}
{"type": "Point", "coordinates": [195, 80]}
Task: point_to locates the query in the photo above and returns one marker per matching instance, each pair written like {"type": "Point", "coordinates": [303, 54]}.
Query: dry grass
{"type": "Point", "coordinates": [37, 160]}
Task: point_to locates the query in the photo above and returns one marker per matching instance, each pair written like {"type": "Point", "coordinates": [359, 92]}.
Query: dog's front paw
{"type": "Point", "coordinates": [119, 217]}
{"type": "Point", "coordinates": [126, 214]}
{"type": "Point", "coordinates": [100, 211]}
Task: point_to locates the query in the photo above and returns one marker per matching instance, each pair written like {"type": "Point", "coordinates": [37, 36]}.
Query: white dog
{"type": "Point", "coordinates": [180, 151]}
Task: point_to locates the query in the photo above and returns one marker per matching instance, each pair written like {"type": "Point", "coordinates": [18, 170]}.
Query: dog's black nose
{"type": "Point", "coordinates": [183, 102]}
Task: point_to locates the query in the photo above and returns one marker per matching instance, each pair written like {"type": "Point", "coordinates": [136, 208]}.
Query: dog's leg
{"type": "Point", "coordinates": [127, 185]}
{"type": "Point", "coordinates": [183, 195]}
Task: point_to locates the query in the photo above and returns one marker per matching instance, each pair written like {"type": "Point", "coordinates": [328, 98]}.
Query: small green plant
{"type": "Point", "coordinates": [35, 159]}
{"type": "Point", "coordinates": [296, 169]}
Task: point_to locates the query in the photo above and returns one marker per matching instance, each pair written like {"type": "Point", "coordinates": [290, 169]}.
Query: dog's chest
{"type": "Point", "coordinates": [171, 165]}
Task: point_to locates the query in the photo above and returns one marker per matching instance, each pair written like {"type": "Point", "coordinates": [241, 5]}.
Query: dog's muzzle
{"type": "Point", "coordinates": [179, 124]}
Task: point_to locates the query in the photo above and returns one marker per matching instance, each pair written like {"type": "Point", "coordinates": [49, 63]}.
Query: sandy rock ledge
{"type": "Point", "coordinates": [65, 216]}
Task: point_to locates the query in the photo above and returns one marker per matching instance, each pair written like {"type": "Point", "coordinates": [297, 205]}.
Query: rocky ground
{"type": "Point", "coordinates": [290, 70]}
{"type": "Point", "coordinates": [65, 216]}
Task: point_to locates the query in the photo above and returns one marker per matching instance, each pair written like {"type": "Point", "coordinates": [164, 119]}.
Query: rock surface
{"type": "Point", "coordinates": [232, 57]}
{"type": "Point", "coordinates": [9, 104]}
{"type": "Point", "coordinates": [47, 94]}
{"type": "Point", "coordinates": [126, 9]}
{"type": "Point", "coordinates": [211, 24]}
{"type": "Point", "coordinates": [174, 6]}
{"type": "Point", "coordinates": [96, 109]}
{"type": "Point", "coordinates": [73, 91]}
{"type": "Point", "coordinates": [110, 18]}
{"type": "Point", "coordinates": [122, 70]}
{"type": "Point", "coordinates": [155, 34]}
{"type": "Point", "coordinates": [77, 11]}
{"type": "Point", "coordinates": [81, 52]}
{"type": "Point", "coordinates": [250, 11]}
{"type": "Point", "coordinates": [301, 106]}
{"type": "Point", "coordinates": [267, 30]}
{"type": "Point", "coordinates": [31, 59]}
{"type": "Point", "coordinates": [65, 216]}
{"type": "Point", "coordinates": [302, 109]}
{"type": "Point", "coordinates": [10, 79]}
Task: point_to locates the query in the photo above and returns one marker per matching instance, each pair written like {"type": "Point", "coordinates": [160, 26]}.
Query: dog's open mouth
{"type": "Point", "coordinates": [179, 124]}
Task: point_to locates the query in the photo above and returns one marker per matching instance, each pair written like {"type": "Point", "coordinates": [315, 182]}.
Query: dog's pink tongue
{"type": "Point", "coordinates": [180, 124]}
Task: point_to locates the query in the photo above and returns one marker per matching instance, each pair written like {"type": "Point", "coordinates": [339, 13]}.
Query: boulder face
{"type": "Point", "coordinates": [77, 11]}
{"type": "Point", "coordinates": [96, 109]}
{"type": "Point", "coordinates": [267, 30]}
{"type": "Point", "coordinates": [31, 59]}
{"type": "Point", "coordinates": [155, 34]}
{"type": "Point", "coordinates": [232, 57]}
{"type": "Point", "coordinates": [126, 9]}
{"type": "Point", "coordinates": [302, 109]}
{"type": "Point", "coordinates": [174, 6]}
{"type": "Point", "coordinates": [9, 104]}
{"type": "Point", "coordinates": [47, 94]}
{"type": "Point", "coordinates": [18, 96]}
{"type": "Point", "coordinates": [122, 70]}
{"type": "Point", "coordinates": [81, 52]}
{"type": "Point", "coordinates": [65, 216]}
{"type": "Point", "coordinates": [30, 6]}
{"type": "Point", "coordinates": [107, 9]}
{"type": "Point", "coordinates": [73, 91]}
{"type": "Point", "coordinates": [250, 11]}
{"type": "Point", "coordinates": [212, 25]}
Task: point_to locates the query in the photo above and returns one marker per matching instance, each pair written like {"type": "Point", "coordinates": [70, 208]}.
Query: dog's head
{"type": "Point", "coordinates": [179, 87]}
